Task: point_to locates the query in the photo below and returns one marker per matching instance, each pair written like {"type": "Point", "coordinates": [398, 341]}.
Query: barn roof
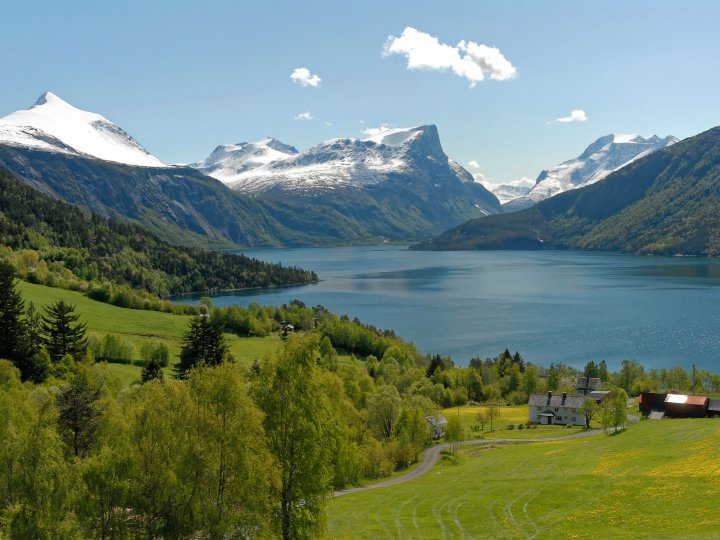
{"type": "Point", "coordinates": [714, 405]}
{"type": "Point", "coordinates": [697, 400]}
{"type": "Point", "coordinates": [676, 398]}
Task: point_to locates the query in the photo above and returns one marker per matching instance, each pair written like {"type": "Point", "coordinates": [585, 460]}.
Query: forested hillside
{"type": "Point", "coordinates": [665, 203]}
{"type": "Point", "coordinates": [55, 243]}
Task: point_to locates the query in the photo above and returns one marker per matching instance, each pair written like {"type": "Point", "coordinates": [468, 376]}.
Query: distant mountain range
{"type": "Point", "coordinates": [604, 156]}
{"type": "Point", "coordinates": [667, 202]}
{"type": "Point", "coordinates": [397, 186]}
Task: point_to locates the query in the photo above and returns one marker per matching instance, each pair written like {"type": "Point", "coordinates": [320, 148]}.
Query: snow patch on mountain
{"type": "Point", "coordinates": [54, 125]}
{"type": "Point", "coordinates": [603, 157]}
{"type": "Point", "coordinates": [228, 161]}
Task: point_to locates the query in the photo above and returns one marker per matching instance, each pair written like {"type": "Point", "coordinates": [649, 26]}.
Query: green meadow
{"type": "Point", "coordinates": [658, 479]}
{"type": "Point", "coordinates": [139, 326]}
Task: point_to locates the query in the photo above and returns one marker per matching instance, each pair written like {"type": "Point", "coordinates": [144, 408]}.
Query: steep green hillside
{"type": "Point", "coordinates": [665, 203]}
{"type": "Point", "coordinates": [99, 250]}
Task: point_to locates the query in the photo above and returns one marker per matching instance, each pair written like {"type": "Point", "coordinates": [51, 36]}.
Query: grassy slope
{"type": "Point", "coordinates": [137, 326]}
{"type": "Point", "coordinates": [657, 480]}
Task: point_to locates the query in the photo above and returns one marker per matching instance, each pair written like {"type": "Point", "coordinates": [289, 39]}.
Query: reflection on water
{"type": "Point", "coordinates": [552, 306]}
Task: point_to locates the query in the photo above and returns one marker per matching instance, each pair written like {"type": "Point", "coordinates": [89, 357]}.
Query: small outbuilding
{"type": "Point", "coordinates": [651, 401]}
{"type": "Point", "coordinates": [714, 408]}
{"type": "Point", "coordinates": [682, 406]}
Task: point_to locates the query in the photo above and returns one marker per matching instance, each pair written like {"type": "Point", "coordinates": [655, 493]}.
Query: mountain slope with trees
{"type": "Point", "coordinates": [50, 241]}
{"type": "Point", "coordinates": [665, 203]}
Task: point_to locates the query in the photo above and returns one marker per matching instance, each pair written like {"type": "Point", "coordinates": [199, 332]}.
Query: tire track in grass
{"type": "Point", "coordinates": [414, 517]}
{"type": "Point", "coordinates": [496, 524]}
{"type": "Point", "coordinates": [507, 510]}
{"type": "Point", "coordinates": [437, 514]}
{"type": "Point", "coordinates": [456, 519]}
{"type": "Point", "coordinates": [396, 515]}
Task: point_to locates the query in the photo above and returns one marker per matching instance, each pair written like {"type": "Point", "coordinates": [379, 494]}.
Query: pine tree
{"type": "Point", "coordinates": [151, 371]}
{"type": "Point", "coordinates": [12, 327]}
{"type": "Point", "coordinates": [203, 344]}
{"type": "Point", "coordinates": [79, 416]}
{"type": "Point", "coordinates": [62, 333]}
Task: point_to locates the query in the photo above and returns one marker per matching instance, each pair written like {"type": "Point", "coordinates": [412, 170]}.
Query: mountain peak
{"type": "Point", "coordinates": [50, 98]}
{"type": "Point", "coordinates": [73, 130]}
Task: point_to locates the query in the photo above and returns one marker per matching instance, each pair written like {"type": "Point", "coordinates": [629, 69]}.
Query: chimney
{"type": "Point", "coordinates": [564, 396]}
{"type": "Point", "coordinates": [549, 397]}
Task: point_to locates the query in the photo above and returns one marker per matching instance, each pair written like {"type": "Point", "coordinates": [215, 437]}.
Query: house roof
{"type": "Point", "coordinates": [598, 395]}
{"type": "Point", "coordinates": [542, 400]}
{"type": "Point", "coordinates": [588, 383]}
{"type": "Point", "coordinates": [714, 405]}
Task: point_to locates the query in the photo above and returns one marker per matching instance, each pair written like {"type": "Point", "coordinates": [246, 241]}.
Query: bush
{"type": "Point", "coordinates": [155, 350]}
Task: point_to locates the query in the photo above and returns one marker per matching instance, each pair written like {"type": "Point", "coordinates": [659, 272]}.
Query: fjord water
{"type": "Point", "coordinates": [552, 306]}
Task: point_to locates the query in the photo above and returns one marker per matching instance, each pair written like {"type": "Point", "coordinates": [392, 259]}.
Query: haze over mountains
{"type": "Point", "coordinates": [398, 186]}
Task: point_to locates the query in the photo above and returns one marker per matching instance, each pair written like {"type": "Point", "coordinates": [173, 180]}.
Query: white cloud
{"type": "Point", "coordinates": [471, 60]}
{"type": "Point", "coordinates": [577, 115]}
{"type": "Point", "coordinates": [374, 131]}
{"type": "Point", "coordinates": [303, 77]}
{"type": "Point", "coordinates": [328, 124]}
{"type": "Point", "coordinates": [474, 164]}
{"type": "Point", "coordinates": [307, 115]}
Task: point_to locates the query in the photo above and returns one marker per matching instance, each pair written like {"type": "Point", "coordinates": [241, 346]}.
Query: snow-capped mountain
{"type": "Point", "coordinates": [229, 161]}
{"type": "Point", "coordinates": [348, 162]}
{"type": "Point", "coordinates": [604, 156]}
{"type": "Point", "coordinates": [54, 125]}
{"type": "Point", "coordinates": [397, 183]}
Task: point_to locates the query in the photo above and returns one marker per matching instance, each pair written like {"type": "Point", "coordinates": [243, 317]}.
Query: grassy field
{"type": "Point", "coordinates": [509, 416]}
{"type": "Point", "coordinates": [139, 326]}
{"type": "Point", "coordinates": [659, 479]}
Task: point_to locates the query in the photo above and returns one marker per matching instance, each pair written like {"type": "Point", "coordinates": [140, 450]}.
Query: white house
{"type": "Point", "coordinates": [549, 409]}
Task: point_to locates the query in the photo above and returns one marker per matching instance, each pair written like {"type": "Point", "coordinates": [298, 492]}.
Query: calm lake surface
{"type": "Point", "coordinates": [559, 306]}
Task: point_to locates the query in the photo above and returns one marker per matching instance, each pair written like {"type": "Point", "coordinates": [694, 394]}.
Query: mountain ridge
{"type": "Point", "coordinates": [605, 155]}
{"type": "Point", "coordinates": [665, 203]}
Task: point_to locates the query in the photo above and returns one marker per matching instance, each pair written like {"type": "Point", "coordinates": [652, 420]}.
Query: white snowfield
{"type": "Point", "coordinates": [228, 161]}
{"type": "Point", "coordinates": [267, 164]}
{"type": "Point", "coordinates": [54, 125]}
{"type": "Point", "coordinates": [606, 155]}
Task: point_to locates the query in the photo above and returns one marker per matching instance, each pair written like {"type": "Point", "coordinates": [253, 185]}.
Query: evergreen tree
{"type": "Point", "coordinates": [78, 413]}
{"type": "Point", "coordinates": [518, 359]}
{"type": "Point", "coordinates": [12, 327]}
{"type": "Point", "coordinates": [203, 344]}
{"type": "Point", "coordinates": [62, 333]}
{"type": "Point", "coordinates": [152, 370]}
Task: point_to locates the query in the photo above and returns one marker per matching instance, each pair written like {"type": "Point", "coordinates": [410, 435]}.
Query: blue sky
{"type": "Point", "coordinates": [183, 77]}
